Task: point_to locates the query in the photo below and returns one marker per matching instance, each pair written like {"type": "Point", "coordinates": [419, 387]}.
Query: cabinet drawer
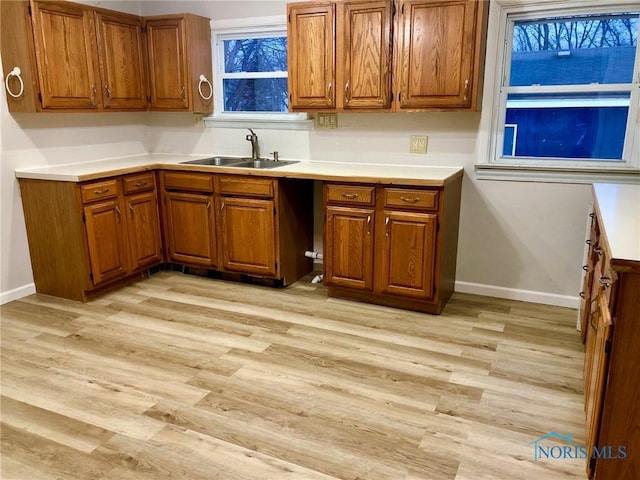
{"type": "Point", "coordinates": [246, 186]}
{"type": "Point", "coordinates": [190, 182]}
{"type": "Point", "coordinates": [408, 198]}
{"type": "Point", "coordinates": [351, 194]}
{"type": "Point", "coordinates": [138, 183]}
{"type": "Point", "coordinates": [99, 190]}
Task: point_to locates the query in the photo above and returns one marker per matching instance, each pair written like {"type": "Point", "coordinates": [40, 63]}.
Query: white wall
{"type": "Point", "coordinates": [516, 239]}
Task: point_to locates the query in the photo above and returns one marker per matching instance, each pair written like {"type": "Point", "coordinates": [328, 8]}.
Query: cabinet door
{"type": "Point", "coordinates": [248, 233]}
{"type": "Point", "coordinates": [348, 247]}
{"type": "Point", "coordinates": [105, 238]}
{"type": "Point", "coordinates": [167, 64]}
{"type": "Point", "coordinates": [595, 377]}
{"type": "Point", "coordinates": [311, 56]}
{"type": "Point", "coordinates": [66, 55]}
{"type": "Point", "coordinates": [436, 53]}
{"type": "Point", "coordinates": [408, 254]}
{"type": "Point", "coordinates": [121, 53]}
{"type": "Point", "coordinates": [143, 230]}
{"type": "Point", "coordinates": [366, 39]}
{"type": "Point", "coordinates": [191, 229]}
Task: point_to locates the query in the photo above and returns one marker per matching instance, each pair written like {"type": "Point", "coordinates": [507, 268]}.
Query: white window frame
{"type": "Point", "coordinates": [248, 28]}
{"type": "Point", "coordinates": [499, 167]}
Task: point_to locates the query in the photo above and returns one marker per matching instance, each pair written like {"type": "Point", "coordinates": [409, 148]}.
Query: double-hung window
{"type": "Point", "coordinates": [250, 63]}
{"type": "Point", "coordinates": [569, 88]}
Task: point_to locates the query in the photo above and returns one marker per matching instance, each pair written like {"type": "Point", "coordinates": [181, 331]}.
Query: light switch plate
{"type": "Point", "coordinates": [418, 144]}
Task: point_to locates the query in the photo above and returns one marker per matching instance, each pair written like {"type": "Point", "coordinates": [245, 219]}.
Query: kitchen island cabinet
{"type": "Point", "coordinates": [611, 326]}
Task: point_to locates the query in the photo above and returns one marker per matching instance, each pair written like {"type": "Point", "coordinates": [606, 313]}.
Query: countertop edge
{"type": "Point", "coordinates": [456, 173]}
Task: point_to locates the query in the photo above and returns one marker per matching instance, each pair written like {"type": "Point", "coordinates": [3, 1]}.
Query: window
{"type": "Point", "coordinates": [250, 63]}
{"type": "Point", "coordinates": [569, 90]}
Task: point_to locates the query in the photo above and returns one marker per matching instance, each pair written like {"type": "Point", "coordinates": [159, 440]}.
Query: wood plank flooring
{"type": "Point", "coordinates": [179, 376]}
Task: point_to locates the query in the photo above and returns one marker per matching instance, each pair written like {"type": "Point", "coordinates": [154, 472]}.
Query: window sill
{"type": "Point", "coordinates": [265, 123]}
{"type": "Point", "coordinates": [550, 174]}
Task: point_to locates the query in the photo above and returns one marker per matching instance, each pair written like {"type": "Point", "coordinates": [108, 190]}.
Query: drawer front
{"type": "Point", "coordinates": [188, 182]}
{"type": "Point", "coordinates": [99, 190]}
{"type": "Point", "coordinates": [409, 198]}
{"type": "Point", "coordinates": [246, 186]}
{"type": "Point", "coordinates": [138, 183]}
{"type": "Point", "coordinates": [351, 194]}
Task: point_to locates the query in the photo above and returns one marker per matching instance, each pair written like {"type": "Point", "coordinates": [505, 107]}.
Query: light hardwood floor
{"type": "Point", "coordinates": [179, 376]}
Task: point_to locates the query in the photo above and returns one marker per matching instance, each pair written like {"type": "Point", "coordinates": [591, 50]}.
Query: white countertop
{"type": "Point", "coordinates": [337, 171]}
{"type": "Point", "coordinates": [619, 208]}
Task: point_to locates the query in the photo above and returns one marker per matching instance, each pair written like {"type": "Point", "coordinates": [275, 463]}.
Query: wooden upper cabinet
{"type": "Point", "coordinates": [167, 63]}
{"type": "Point", "coordinates": [364, 53]}
{"type": "Point", "coordinates": [179, 53]}
{"type": "Point", "coordinates": [66, 55]}
{"type": "Point", "coordinates": [122, 65]}
{"type": "Point", "coordinates": [440, 50]}
{"type": "Point", "coordinates": [311, 56]}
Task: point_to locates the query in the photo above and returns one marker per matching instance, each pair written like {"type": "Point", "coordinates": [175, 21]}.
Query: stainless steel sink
{"type": "Point", "coordinates": [262, 163]}
{"type": "Point", "coordinates": [242, 162]}
{"type": "Point", "coordinates": [219, 161]}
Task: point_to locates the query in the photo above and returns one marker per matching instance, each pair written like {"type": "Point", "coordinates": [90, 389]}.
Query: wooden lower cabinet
{"type": "Point", "coordinates": [408, 254]}
{"type": "Point", "coordinates": [86, 236]}
{"type": "Point", "coordinates": [349, 247]}
{"type": "Point", "coordinates": [239, 224]}
{"type": "Point", "coordinates": [392, 245]}
{"type": "Point", "coordinates": [105, 239]}
{"type": "Point", "coordinates": [190, 229]}
{"type": "Point", "coordinates": [611, 330]}
{"type": "Point", "coordinates": [248, 233]}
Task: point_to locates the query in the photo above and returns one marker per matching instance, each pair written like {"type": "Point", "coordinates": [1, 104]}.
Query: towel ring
{"type": "Point", "coordinates": [203, 79]}
{"type": "Point", "coordinates": [14, 73]}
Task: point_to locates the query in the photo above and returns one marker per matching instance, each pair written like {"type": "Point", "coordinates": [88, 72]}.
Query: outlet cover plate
{"type": "Point", "coordinates": [418, 144]}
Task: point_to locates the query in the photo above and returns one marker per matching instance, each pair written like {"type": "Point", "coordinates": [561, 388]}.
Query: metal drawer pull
{"type": "Point", "coordinates": [585, 268]}
{"type": "Point", "coordinates": [138, 184]}
{"type": "Point", "coordinates": [606, 281]}
{"type": "Point", "coordinates": [100, 192]}
{"type": "Point", "coordinates": [350, 196]}
{"type": "Point", "coordinates": [410, 200]}
{"type": "Point", "coordinates": [386, 227]}
{"type": "Point", "coordinates": [368, 224]}
{"type": "Point", "coordinates": [588, 242]}
{"type": "Point", "coordinates": [598, 250]}
{"type": "Point", "coordinates": [582, 295]}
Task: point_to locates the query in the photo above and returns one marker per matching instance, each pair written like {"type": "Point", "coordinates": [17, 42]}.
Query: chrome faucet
{"type": "Point", "coordinates": [255, 148]}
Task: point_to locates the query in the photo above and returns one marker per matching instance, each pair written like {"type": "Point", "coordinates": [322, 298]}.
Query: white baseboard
{"type": "Point", "coordinates": [517, 294]}
{"type": "Point", "coordinates": [16, 293]}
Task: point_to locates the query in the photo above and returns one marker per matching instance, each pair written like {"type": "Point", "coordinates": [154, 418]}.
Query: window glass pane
{"type": "Point", "coordinates": [574, 126]}
{"type": "Point", "coordinates": [255, 55]}
{"type": "Point", "coordinates": [255, 95]}
{"type": "Point", "coordinates": [574, 50]}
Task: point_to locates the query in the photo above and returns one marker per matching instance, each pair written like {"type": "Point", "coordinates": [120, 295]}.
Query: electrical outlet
{"type": "Point", "coordinates": [418, 144]}
{"type": "Point", "coordinates": [326, 120]}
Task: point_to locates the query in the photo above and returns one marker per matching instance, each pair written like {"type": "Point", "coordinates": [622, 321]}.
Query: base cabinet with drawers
{"type": "Point", "coordinates": [87, 236]}
{"type": "Point", "coordinates": [239, 224]}
{"type": "Point", "coordinates": [392, 245]}
{"type": "Point", "coordinates": [610, 321]}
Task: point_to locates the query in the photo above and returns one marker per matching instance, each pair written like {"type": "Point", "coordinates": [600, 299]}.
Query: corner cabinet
{"type": "Point", "coordinates": [387, 55]}
{"type": "Point", "coordinates": [611, 330]}
{"type": "Point", "coordinates": [88, 236]}
{"type": "Point", "coordinates": [179, 53]}
{"type": "Point", "coordinates": [392, 245]}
